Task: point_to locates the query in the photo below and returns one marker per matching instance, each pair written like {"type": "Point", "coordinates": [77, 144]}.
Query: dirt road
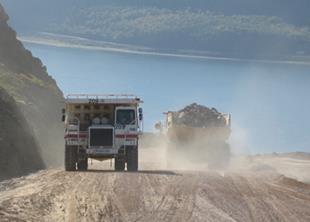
{"type": "Point", "coordinates": [103, 195]}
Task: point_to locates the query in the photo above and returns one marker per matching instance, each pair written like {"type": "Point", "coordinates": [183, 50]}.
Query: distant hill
{"type": "Point", "coordinates": [31, 133]}
{"type": "Point", "coordinates": [296, 155]}
{"type": "Point", "coordinates": [234, 28]}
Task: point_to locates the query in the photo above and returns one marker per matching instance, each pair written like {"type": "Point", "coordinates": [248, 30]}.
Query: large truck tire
{"type": "Point", "coordinates": [83, 164]}
{"type": "Point", "coordinates": [119, 164]}
{"type": "Point", "coordinates": [132, 159]}
{"type": "Point", "coordinates": [70, 158]}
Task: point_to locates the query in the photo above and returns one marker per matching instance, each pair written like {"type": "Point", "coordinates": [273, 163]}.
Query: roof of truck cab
{"type": "Point", "coordinates": [102, 99]}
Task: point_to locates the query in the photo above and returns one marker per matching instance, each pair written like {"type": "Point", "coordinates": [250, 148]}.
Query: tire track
{"type": "Point", "coordinates": [103, 195]}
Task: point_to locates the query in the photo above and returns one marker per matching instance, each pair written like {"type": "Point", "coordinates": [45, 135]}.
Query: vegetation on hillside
{"type": "Point", "coordinates": [121, 23]}
{"type": "Point", "coordinates": [234, 28]}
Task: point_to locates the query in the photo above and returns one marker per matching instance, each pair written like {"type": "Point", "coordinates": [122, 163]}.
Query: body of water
{"type": "Point", "coordinates": [269, 103]}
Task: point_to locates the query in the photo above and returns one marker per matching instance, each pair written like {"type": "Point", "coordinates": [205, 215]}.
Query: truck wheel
{"type": "Point", "coordinates": [83, 164]}
{"type": "Point", "coordinates": [70, 158]}
{"type": "Point", "coordinates": [132, 159]}
{"type": "Point", "coordinates": [119, 164]}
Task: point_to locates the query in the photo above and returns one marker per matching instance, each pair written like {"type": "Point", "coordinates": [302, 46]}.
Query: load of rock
{"type": "Point", "coordinates": [196, 115]}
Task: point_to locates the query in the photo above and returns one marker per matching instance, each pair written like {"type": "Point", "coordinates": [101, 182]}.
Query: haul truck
{"type": "Point", "coordinates": [199, 144]}
{"type": "Point", "coordinates": [102, 127]}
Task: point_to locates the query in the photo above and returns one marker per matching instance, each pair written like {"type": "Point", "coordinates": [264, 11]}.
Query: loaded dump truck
{"type": "Point", "coordinates": [102, 127]}
{"type": "Point", "coordinates": [199, 134]}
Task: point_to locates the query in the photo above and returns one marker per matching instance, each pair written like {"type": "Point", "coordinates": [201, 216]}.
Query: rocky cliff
{"type": "Point", "coordinates": [36, 94]}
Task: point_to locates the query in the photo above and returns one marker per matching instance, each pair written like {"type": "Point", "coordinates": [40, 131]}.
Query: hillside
{"type": "Point", "coordinates": [19, 151]}
{"type": "Point", "coordinates": [239, 28]}
{"type": "Point", "coordinates": [35, 103]}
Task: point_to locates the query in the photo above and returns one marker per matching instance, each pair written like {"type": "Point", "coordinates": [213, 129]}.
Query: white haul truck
{"type": "Point", "coordinates": [102, 127]}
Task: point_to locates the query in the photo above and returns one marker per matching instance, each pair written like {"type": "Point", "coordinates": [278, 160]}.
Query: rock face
{"type": "Point", "coordinates": [14, 55]}
{"type": "Point", "coordinates": [3, 16]}
{"type": "Point", "coordinates": [19, 152]}
{"type": "Point", "coordinates": [36, 94]}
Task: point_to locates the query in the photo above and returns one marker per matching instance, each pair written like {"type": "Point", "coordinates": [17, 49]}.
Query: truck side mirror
{"type": "Point", "coordinates": [140, 114]}
{"type": "Point", "coordinates": [63, 118]}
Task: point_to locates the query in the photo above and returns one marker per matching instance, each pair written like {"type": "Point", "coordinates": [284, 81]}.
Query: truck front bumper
{"type": "Point", "coordinates": [101, 151]}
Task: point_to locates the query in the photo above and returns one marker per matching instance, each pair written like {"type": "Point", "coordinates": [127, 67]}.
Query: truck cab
{"type": "Point", "coordinates": [102, 127]}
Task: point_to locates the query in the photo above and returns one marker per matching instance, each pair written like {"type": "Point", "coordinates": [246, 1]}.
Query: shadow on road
{"type": "Point", "coordinates": [158, 172]}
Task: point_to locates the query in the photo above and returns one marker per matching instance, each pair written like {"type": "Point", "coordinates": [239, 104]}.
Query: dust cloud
{"type": "Point", "coordinates": [157, 153]}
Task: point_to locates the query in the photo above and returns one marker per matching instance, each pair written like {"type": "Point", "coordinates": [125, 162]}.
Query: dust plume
{"type": "Point", "coordinates": [158, 152]}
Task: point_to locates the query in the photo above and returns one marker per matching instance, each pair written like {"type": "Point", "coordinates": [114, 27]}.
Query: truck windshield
{"type": "Point", "coordinates": [125, 117]}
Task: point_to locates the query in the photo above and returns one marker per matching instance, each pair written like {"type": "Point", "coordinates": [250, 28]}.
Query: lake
{"type": "Point", "coordinates": [269, 103]}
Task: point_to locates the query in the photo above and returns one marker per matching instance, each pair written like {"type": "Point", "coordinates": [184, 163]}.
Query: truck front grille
{"type": "Point", "coordinates": [101, 137]}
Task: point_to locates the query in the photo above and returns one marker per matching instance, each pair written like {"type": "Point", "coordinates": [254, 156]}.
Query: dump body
{"type": "Point", "coordinates": [102, 127]}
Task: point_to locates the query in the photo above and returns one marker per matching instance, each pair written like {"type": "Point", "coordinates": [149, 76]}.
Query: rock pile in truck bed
{"type": "Point", "coordinates": [196, 115]}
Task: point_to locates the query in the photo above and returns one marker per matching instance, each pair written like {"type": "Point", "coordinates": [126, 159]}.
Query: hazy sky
{"type": "Point", "coordinates": [269, 103]}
